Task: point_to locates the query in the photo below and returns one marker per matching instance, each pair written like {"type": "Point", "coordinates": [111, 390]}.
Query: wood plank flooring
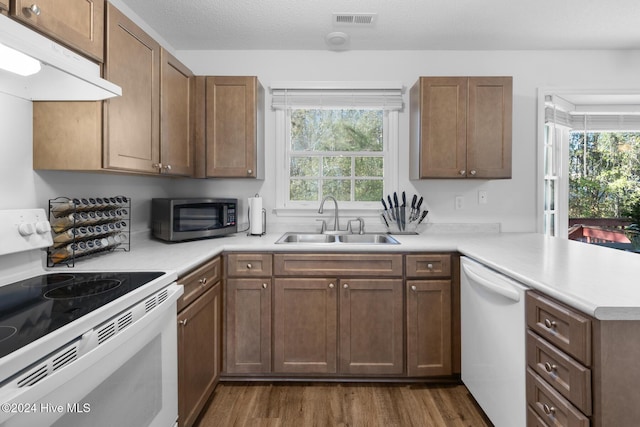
{"type": "Point", "coordinates": [341, 404]}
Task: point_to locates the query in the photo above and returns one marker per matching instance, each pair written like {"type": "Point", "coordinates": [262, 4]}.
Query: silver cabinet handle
{"type": "Point", "coordinates": [549, 367]}
{"type": "Point", "coordinates": [331, 285]}
{"type": "Point", "coordinates": [414, 288]}
{"type": "Point", "coordinates": [249, 266]}
{"type": "Point", "coordinates": [473, 172]}
{"type": "Point", "coordinates": [203, 281]}
{"type": "Point", "coordinates": [183, 322]}
{"type": "Point", "coordinates": [548, 409]}
{"type": "Point", "coordinates": [462, 172]}
{"type": "Point", "coordinates": [34, 8]}
{"type": "Point", "coordinates": [429, 266]}
{"type": "Point", "coordinates": [346, 286]}
{"type": "Point", "coordinates": [249, 171]}
{"type": "Point", "coordinates": [549, 323]}
{"type": "Point", "coordinates": [264, 286]}
{"type": "Point", "coordinates": [157, 165]}
{"type": "Point", "coordinates": [167, 167]}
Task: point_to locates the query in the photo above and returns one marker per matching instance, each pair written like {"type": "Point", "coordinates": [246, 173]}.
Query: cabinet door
{"type": "Point", "coordinates": [78, 24]}
{"type": "Point", "coordinates": [176, 117]}
{"type": "Point", "coordinates": [305, 325]}
{"type": "Point", "coordinates": [248, 326]}
{"type": "Point", "coordinates": [199, 351]}
{"type": "Point", "coordinates": [131, 140]}
{"type": "Point", "coordinates": [438, 122]}
{"type": "Point", "coordinates": [231, 126]}
{"type": "Point", "coordinates": [371, 326]}
{"type": "Point", "coordinates": [428, 328]}
{"type": "Point", "coordinates": [4, 6]}
{"type": "Point", "coordinates": [489, 127]}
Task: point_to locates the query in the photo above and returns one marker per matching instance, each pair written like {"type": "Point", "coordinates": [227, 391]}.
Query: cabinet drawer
{"type": "Point", "coordinates": [562, 326]}
{"type": "Point", "coordinates": [562, 372]}
{"type": "Point", "coordinates": [428, 265]}
{"type": "Point", "coordinates": [198, 281]}
{"type": "Point", "coordinates": [550, 406]}
{"type": "Point", "coordinates": [341, 265]}
{"type": "Point", "coordinates": [249, 265]}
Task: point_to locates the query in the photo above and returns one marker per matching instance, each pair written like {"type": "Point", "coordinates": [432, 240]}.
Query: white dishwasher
{"type": "Point", "coordinates": [493, 342]}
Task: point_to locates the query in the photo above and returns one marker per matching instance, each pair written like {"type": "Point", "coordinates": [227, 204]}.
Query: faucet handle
{"type": "Point", "coordinates": [323, 227]}
{"type": "Point", "coordinates": [360, 230]}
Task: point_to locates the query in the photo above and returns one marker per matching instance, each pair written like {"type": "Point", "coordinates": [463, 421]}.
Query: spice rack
{"type": "Point", "coordinates": [87, 226]}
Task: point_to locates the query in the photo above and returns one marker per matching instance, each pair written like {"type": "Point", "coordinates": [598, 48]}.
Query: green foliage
{"type": "Point", "coordinates": [604, 182]}
{"type": "Point", "coordinates": [327, 148]}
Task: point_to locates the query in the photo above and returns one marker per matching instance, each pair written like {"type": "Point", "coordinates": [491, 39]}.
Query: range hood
{"type": "Point", "coordinates": [64, 75]}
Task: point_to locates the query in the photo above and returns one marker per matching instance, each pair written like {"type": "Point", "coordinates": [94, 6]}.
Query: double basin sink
{"type": "Point", "coordinates": [362, 239]}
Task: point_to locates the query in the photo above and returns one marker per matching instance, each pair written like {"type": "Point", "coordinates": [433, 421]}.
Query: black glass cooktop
{"type": "Point", "coordinates": [32, 308]}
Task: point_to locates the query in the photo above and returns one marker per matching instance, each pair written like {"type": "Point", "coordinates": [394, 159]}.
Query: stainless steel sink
{"type": "Point", "coordinates": [372, 239]}
{"type": "Point", "coordinates": [358, 239]}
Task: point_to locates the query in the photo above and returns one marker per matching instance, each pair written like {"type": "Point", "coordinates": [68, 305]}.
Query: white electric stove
{"type": "Point", "coordinates": [82, 348]}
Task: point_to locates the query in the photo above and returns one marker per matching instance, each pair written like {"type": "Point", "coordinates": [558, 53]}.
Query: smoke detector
{"type": "Point", "coordinates": [337, 40]}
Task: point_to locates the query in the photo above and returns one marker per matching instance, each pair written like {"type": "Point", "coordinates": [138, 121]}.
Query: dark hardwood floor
{"type": "Point", "coordinates": [341, 404]}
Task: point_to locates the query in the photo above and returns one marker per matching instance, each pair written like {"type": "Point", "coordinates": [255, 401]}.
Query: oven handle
{"type": "Point", "coordinates": [504, 289]}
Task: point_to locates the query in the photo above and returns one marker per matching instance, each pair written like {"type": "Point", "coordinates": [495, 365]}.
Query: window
{"type": "Point", "coordinates": [591, 165]}
{"type": "Point", "coordinates": [340, 142]}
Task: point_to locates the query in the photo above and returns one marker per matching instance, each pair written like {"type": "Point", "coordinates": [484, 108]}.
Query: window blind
{"type": "Point", "coordinates": [283, 98]}
{"type": "Point", "coordinates": [593, 122]}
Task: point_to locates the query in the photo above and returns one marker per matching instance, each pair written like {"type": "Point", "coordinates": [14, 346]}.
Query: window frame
{"type": "Point", "coordinates": [286, 207]}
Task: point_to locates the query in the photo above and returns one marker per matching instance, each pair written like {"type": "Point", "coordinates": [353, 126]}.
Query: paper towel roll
{"type": "Point", "coordinates": [255, 215]}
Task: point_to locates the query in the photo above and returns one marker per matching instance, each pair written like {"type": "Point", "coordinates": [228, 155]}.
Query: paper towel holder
{"type": "Point", "coordinates": [262, 229]}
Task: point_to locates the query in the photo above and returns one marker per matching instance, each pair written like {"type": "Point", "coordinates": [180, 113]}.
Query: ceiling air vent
{"type": "Point", "coordinates": [355, 19]}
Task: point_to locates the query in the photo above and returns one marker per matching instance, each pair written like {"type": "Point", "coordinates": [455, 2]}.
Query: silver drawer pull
{"type": "Point", "coordinates": [346, 286]}
{"type": "Point", "coordinates": [414, 288]}
{"type": "Point", "coordinates": [549, 410]}
{"type": "Point", "coordinates": [264, 286]}
{"type": "Point", "coordinates": [549, 367]}
{"type": "Point", "coordinates": [331, 285]}
{"type": "Point", "coordinates": [249, 266]}
{"type": "Point", "coordinates": [429, 266]}
{"type": "Point", "coordinates": [183, 322]}
{"type": "Point", "coordinates": [203, 281]}
{"type": "Point", "coordinates": [550, 323]}
{"type": "Point", "coordinates": [34, 8]}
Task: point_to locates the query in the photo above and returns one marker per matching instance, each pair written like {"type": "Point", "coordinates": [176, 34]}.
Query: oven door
{"type": "Point", "coordinates": [122, 373]}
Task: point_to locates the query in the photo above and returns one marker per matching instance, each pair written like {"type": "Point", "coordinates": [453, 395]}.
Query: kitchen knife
{"type": "Point", "coordinates": [397, 210]}
{"type": "Point", "coordinates": [386, 211]}
{"type": "Point", "coordinates": [390, 208]}
{"type": "Point", "coordinates": [413, 207]}
{"type": "Point", "coordinates": [403, 211]}
{"type": "Point", "coordinates": [385, 220]}
{"type": "Point", "coordinates": [422, 217]}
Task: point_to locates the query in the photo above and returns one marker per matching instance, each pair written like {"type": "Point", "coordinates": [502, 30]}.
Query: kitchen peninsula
{"type": "Point", "coordinates": [595, 282]}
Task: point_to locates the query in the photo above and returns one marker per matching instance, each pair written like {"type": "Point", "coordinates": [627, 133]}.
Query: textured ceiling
{"type": "Point", "coordinates": [401, 24]}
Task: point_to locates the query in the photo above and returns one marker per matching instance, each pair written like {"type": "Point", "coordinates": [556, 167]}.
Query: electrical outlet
{"type": "Point", "coordinates": [459, 202]}
{"type": "Point", "coordinates": [482, 197]}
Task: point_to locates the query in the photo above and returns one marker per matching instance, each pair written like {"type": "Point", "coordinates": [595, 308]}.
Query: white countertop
{"type": "Point", "coordinates": [598, 281]}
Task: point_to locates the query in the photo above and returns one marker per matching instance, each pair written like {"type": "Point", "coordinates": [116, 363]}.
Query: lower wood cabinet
{"type": "Point", "coordinates": [367, 336]}
{"type": "Point", "coordinates": [248, 326]}
{"type": "Point", "coordinates": [429, 328]}
{"type": "Point", "coordinates": [199, 340]}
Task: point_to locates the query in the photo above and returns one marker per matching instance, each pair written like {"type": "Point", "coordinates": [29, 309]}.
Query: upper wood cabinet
{"type": "Point", "coordinates": [461, 127]}
{"type": "Point", "coordinates": [231, 127]}
{"type": "Point", "coordinates": [78, 24]}
{"type": "Point", "coordinates": [4, 7]}
{"type": "Point", "coordinates": [132, 121]}
{"type": "Point", "coordinates": [149, 129]}
{"type": "Point", "coordinates": [177, 105]}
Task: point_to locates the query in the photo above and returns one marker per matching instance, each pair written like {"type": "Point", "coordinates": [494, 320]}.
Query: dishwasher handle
{"type": "Point", "coordinates": [503, 288]}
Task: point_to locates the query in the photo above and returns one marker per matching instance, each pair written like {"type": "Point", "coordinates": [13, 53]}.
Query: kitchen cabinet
{"type": "Point", "coordinates": [461, 127]}
{"type": "Point", "coordinates": [581, 371]}
{"type": "Point", "coordinates": [230, 124]}
{"type": "Point", "coordinates": [79, 24]}
{"type": "Point", "coordinates": [247, 314]}
{"type": "Point", "coordinates": [370, 323]}
{"type": "Point", "coordinates": [429, 315]}
{"type": "Point", "coordinates": [199, 339]}
{"type": "Point", "coordinates": [4, 7]}
{"type": "Point", "coordinates": [149, 129]}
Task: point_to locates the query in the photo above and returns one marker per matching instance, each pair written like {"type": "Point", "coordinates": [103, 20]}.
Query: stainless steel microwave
{"type": "Point", "coordinates": [188, 219]}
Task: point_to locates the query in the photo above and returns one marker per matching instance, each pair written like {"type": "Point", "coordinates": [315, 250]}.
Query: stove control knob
{"type": "Point", "coordinates": [43, 227]}
{"type": "Point", "coordinates": [26, 229]}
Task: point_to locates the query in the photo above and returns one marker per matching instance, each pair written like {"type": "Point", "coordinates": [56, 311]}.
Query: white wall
{"type": "Point", "coordinates": [511, 202]}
